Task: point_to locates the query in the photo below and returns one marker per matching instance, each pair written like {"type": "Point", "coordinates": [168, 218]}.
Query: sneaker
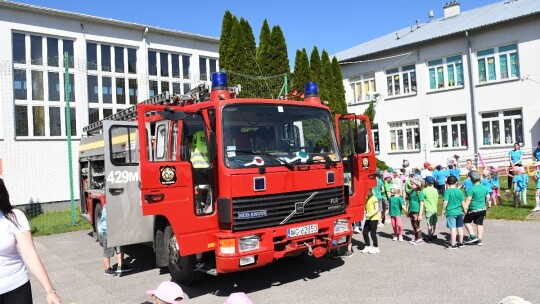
{"type": "Point", "coordinates": [366, 249]}
{"type": "Point", "coordinates": [417, 242]}
{"type": "Point", "coordinates": [452, 247]}
{"type": "Point", "coordinates": [110, 272]}
{"type": "Point", "coordinates": [536, 209]}
{"type": "Point", "coordinates": [471, 240]}
{"type": "Point", "coordinates": [347, 254]}
{"type": "Point", "coordinates": [394, 238]}
{"type": "Point", "coordinates": [357, 230]}
{"type": "Point", "coordinates": [198, 266]}
{"type": "Point", "coordinates": [380, 225]}
{"type": "Point", "coordinates": [124, 268]}
{"type": "Point", "coordinates": [479, 243]}
{"type": "Point", "coordinates": [433, 237]}
{"type": "Point", "coordinates": [460, 245]}
{"type": "Point", "coordinates": [400, 238]}
{"type": "Point", "coordinates": [374, 250]}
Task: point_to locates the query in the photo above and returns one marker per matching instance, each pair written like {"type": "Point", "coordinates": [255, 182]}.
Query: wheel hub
{"type": "Point", "coordinates": [173, 250]}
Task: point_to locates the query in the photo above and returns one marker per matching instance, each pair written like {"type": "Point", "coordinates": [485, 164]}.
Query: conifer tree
{"type": "Point", "coordinates": [339, 89]}
{"type": "Point", "coordinates": [225, 39]}
{"type": "Point", "coordinates": [231, 49]}
{"type": "Point", "coordinates": [370, 112]}
{"type": "Point", "coordinates": [315, 65]}
{"type": "Point", "coordinates": [301, 71]}
{"type": "Point", "coordinates": [326, 78]}
{"type": "Point", "coordinates": [264, 51]}
{"type": "Point", "coordinates": [280, 59]}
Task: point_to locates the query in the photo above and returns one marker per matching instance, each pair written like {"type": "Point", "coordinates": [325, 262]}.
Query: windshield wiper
{"type": "Point", "coordinates": [273, 157]}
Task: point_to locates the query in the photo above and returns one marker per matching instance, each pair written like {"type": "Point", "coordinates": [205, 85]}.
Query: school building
{"type": "Point", "coordinates": [112, 65]}
{"type": "Point", "coordinates": [460, 84]}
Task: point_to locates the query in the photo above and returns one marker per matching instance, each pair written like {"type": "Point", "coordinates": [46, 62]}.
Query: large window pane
{"type": "Point", "coordinates": [213, 66]}
{"type": "Point", "coordinates": [120, 91]}
{"type": "Point", "coordinates": [175, 65]}
{"type": "Point", "coordinates": [455, 136]}
{"type": "Point", "coordinates": [187, 87]}
{"type": "Point", "coordinates": [71, 88]}
{"type": "Point", "coordinates": [164, 64]}
{"type": "Point", "coordinates": [21, 120]}
{"type": "Point", "coordinates": [164, 86]}
{"type": "Point", "coordinates": [186, 67]}
{"type": "Point", "coordinates": [91, 56]}
{"type": "Point", "coordinates": [464, 138]}
{"type": "Point", "coordinates": [107, 113]}
{"type": "Point", "coordinates": [176, 88]}
{"type": "Point", "coordinates": [52, 52]}
{"type": "Point", "coordinates": [36, 50]}
{"type": "Point", "coordinates": [153, 87]}
{"type": "Point", "coordinates": [73, 120]}
{"type": "Point", "coordinates": [19, 48]}
{"type": "Point", "coordinates": [106, 89]}
{"type": "Point", "coordinates": [93, 115]}
{"type": "Point", "coordinates": [152, 63]}
{"type": "Point", "coordinates": [54, 86]}
{"type": "Point", "coordinates": [37, 85]}
{"type": "Point", "coordinates": [436, 137]}
{"type": "Point", "coordinates": [491, 68]}
{"type": "Point", "coordinates": [54, 121]}
{"type": "Point", "coordinates": [508, 131]}
{"type": "Point", "coordinates": [459, 68]}
{"type": "Point", "coordinates": [202, 69]}
{"type": "Point", "coordinates": [503, 66]}
{"type": "Point", "coordinates": [432, 80]}
{"type": "Point", "coordinates": [444, 136]}
{"type": "Point", "coordinates": [132, 61]}
{"type": "Point", "coordinates": [496, 133]}
{"type": "Point", "coordinates": [105, 58]}
{"type": "Point", "coordinates": [518, 130]}
{"type": "Point", "coordinates": [38, 114]}
{"type": "Point", "coordinates": [133, 91]}
{"type": "Point", "coordinates": [68, 47]}
{"type": "Point", "coordinates": [119, 59]}
{"type": "Point", "coordinates": [514, 65]}
{"type": "Point", "coordinates": [19, 84]}
{"type": "Point", "coordinates": [93, 89]}
{"type": "Point", "coordinates": [482, 70]}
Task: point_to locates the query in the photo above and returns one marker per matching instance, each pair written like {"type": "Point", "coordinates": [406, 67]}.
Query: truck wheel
{"type": "Point", "coordinates": [180, 267]}
{"type": "Point", "coordinates": [97, 222]}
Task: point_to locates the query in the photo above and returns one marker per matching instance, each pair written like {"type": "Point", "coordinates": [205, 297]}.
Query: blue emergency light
{"type": "Point", "coordinates": [219, 81]}
{"type": "Point", "coordinates": [311, 90]}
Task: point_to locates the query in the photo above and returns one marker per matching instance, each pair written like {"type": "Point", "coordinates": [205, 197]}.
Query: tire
{"type": "Point", "coordinates": [180, 267]}
{"type": "Point", "coordinates": [97, 222]}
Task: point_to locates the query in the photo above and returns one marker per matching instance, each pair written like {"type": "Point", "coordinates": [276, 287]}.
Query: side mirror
{"type": "Point", "coordinates": [360, 141]}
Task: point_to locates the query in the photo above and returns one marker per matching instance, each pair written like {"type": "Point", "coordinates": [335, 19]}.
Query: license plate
{"type": "Point", "coordinates": [297, 231]}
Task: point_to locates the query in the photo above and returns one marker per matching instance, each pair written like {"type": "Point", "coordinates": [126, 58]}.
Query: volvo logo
{"type": "Point", "coordinates": [298, 208]}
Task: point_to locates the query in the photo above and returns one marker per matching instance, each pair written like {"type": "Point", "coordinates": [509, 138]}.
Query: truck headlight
{"type": "Point", "coordinates": [248, 243]}
{"type": "Point", "coordinates": [227, 246]}
{"type": "Point", "coordinates": [341, 226]}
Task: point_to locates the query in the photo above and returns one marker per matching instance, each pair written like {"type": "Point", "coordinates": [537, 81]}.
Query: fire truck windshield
{"type": "Point", "coordinates": [277, 135]}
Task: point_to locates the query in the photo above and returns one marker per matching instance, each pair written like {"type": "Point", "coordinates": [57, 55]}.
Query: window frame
{"type": "Point", "coordinates": [395, 79]}
{"type": "Point", "coordinates": [176, 72]}
{"type": "Point", "coordinates": [360, 83]}
{"type": "Point", "coordinates": [500, 117]}
{"type": "Point", "coordinates": [444, 64]}
{"type": "Point", "coordinates": [449, 122]}
{"type": "Point", "coordinates": [484, 56]}
{"type": "Point", "coordinates": [405, 126]}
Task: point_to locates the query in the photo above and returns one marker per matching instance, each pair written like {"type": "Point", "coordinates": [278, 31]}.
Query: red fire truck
{"type": "Point", "coordinates": [235, 182]}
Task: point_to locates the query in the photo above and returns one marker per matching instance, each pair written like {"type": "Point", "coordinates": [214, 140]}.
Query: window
{"type": "Point", "coordinates": [152, 63]}
{"type": "Point", "coordinates": [498, 63]}
{"type": "Point", "coordinates": [404, 136]}
{"type": "Point", "coordinates": [362, 88]}
{"type": "Point", "coordinates": [450, 132]}
{"type": "Point", "coordinates": [109, 82]}
{"type": "Point", "coordinates": [91, 56]}
{"type": "Point", "coordinates": [153, 85]}
{"type": "Point", "coordinates": [207, 65]}
{"type": "Point", "coordinates": [185, 67]}
{"type": "Point", "coordinates": [173, 68]}
{"type": "Point", "coordinates": [202, 69]}
{"type": "Point", "coordinates": [511, 122]}
{"type": "Point", "coordinates": [445, 73]}
{"type": "Point", "coordinates": [38, 85]}
{"type": "Point", "coordinates": [164, 63]}
{"type": "Point", "coordinates": [375, 133]}
{"type": "Point", "coordinates": [175, 63]}
{"type": "Point", "coordinates": [401, 81]}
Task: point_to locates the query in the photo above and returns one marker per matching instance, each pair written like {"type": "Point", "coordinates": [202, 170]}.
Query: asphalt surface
{"type": "Point", "coordinates": [507, 264]}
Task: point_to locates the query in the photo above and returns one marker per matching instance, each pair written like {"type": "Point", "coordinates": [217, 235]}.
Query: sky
{"type": "Point", "coordinates": [333, 25]}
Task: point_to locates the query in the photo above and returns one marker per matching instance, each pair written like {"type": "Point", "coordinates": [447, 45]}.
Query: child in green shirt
{"type": "Point", "coordinates": [453, 202]}
{"type": "Point", "coordinates": [431, 197]}
{"type": "Point", "coordinates": [415, 208]}
{"type": "Point", "coordinates": [396, 205]}
{"type": "Point", "coordinates": [475, 209]}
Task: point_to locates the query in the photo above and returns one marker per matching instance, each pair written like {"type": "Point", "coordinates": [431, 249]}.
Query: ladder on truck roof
{"type": "Point", "coordinates": [127, 114]}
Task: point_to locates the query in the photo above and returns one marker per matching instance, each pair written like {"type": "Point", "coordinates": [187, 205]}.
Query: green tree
{"type": "Point", "coordinates": [225, 39]}
{"type": "Point", "coordinates": [230, 51]}
{"type": "Point", "coordinates": [264, 51]}
{"type": "Point", "coordinates": [280, 58]}
{"type": "Point", "coordinates": [315, 65]}
{"type": "Point", "coordinates": [338, 89]}
{"type": "Point", "coordinates": [370, 112]}
{"type": "Point", "coordinates": [301, 71]}
{"type": "Point", "coordinates": [325, 87]}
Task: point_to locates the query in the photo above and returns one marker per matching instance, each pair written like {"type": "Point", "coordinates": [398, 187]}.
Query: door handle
{"type": "Point", "coordinates": [154, 198]}
{"type": "Point", "coordinates": [116, 191]}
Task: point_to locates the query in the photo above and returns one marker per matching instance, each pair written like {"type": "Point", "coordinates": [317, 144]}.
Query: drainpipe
{"type": "Point", "coordinates": [473, 100]}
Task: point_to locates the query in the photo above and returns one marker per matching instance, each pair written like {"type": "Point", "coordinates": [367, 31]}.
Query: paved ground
{"type": "Point", "coordinates": [507, 264]}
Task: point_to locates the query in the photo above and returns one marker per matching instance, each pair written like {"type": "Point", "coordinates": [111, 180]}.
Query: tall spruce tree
{"type": "Point", "coordinates": [326, 79]}
{"type": "Point", "coordinates": [301, 71]}
{"type": "Point", "coordinates": [265, 49]}
{"type": "Point", "coordinates": [370, 112]}
{"type": "Point", "coordinates": [280, 62]}
{"type": "Point", "coordinates": [339, 89]}
{"type": "Point", "coordinates": [315, 65]}
{"type": "Point", "coordinates": [225, 39]}
{"type": "Point", "coordinates": [231, 48]}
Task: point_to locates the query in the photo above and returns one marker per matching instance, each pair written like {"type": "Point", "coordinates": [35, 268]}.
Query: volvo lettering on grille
{"type": "Point", "coordinates": [298, 208]}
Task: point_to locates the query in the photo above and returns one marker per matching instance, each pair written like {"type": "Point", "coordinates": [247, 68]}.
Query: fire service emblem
{"type": "Point", "coordinates": [167, 175]}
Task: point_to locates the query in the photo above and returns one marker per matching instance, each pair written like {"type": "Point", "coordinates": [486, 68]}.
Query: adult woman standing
{"type": "Point", "coordinates": [516, 160]}
{"type": "Point", "coordinates": [15, 232]}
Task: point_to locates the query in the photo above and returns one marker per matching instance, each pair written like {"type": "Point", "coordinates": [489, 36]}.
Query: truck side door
{"type": "Point", "coordinates": [168, 179]}
{"type": "Point", "coordinates": [125, 221]}
{"type": "Point", "coordinates": [356, 145]}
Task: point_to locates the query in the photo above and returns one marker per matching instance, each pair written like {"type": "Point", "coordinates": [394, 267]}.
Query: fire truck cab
{"type": "Point", "coordinates": [236, 183]}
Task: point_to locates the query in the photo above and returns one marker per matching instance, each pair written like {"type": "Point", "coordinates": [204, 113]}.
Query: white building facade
{"type": "Point", "coordinates": [112, 65]}
{"type": "Point", "coordinates": [463, 84]}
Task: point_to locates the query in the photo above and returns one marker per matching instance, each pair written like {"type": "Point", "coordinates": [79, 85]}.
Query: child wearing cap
{"type": "Point", "coordinates": [238, 298]}
{"type": "Point", "coordinates": [167, 293]}
{"type": "Point", "coordinates": [519, 185]}
{"type": "Point", "coordinates": [431, 198]}
{"type": "Point", "coordinates": [475, 209]}
{"type": "Point", "coordinates": [536, 177]}
{"type": "Point", "coordinates": [415, 208]}
{"type": "Point", "coordinates": [453, 202]}
{"type": "Point", "coordinates": [396, 205]}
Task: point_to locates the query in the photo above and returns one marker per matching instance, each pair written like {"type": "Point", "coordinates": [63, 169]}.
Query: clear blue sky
{"type": "Point", "coordinates": [334, 25]}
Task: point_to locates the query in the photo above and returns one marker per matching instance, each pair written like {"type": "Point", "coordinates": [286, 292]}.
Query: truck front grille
{"type": "Point", "coordinates": [271, 210]}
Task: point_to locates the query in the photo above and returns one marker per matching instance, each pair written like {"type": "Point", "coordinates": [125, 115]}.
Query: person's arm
{"type": "Point", "coordinates": [32, 261]}
{"type": "Point", "coordinates": [510, 158]}
{"type": "Point", "coordinates": [466, 204]}
{"type": "Point", "coordinates": [445, 203]}
{"type": "Point", "coordinates": [520, 160]}
{"type": "Point", "coordinates": [421, 212]}
{"type": "Point", "coordinates": [374, 211]}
